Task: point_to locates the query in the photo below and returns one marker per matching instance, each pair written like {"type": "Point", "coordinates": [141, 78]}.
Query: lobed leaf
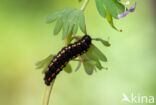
{"type": "Point", "coordinates": [82, 21]}
{"type": "Point", "coordinates": [53, 17]}
{"type": "Point", "coordinates": [110, 20]}
{"type": "Point", "coordinates": [109, 9]}
{"type": "Point", "coordinates": [104, 42]}
{"type": "Point", "coordinates": [92, 59]}
{"type": "Point", "coordinates": [95, 54]}
{"type": "Point", "coordinates": [68, 68]}
{"type": "Point", "coordinates": [78, 66]}
{"type": "Point", "coordinates": [100, 8]}
{"type": "Point", "coordinates": [68, 19]}
{"type": "Point", "coordinates": [88, 66]}
{"type": "Point", "coordinates": [58, 27]}
{"type": "Point", "coordinates": [43, 64]}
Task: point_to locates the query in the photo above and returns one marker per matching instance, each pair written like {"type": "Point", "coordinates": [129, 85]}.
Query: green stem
{"type": "Point", "coordinates": [47, 93]}
{"type": "Point", "coordinates": [84, 5]}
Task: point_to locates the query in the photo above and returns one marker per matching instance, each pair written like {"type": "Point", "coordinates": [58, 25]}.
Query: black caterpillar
{"type": "Point", "coordinates": [65, 55]}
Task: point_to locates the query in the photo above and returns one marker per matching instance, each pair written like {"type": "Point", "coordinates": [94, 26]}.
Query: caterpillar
{"type": "Point", "coordinates": [64, 56]}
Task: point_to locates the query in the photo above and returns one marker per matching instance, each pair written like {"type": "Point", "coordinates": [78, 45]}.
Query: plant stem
{"type": "Point", "coordinates": [80, 60]}
{"type": "Point", "coordinates": [97, 39]}
{"type": "Point", "coordinates": [47, 93]}
{"type": "Point", "coordinates": [84, 5]}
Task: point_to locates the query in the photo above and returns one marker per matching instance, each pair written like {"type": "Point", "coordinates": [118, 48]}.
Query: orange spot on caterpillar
{"type": "Point", "coordinates": [74, 45]}
{"type": "Point", "coordinates": [63, 51]}
{"type": "Point", "coordinates": [59, 55]}
{"type": "Point", "coordinates": [55, 60]}
{"type": "Point", "coordinates": [79, 43]}
{"type": "Point", "coordinates": [51, 64]}
{"type": "Point", "coordinates": [69, 47]}
{"type": "Point", "coordinates": [83, 41]}
{"type": "Point", "coordinates": [58, 70]}
{"type": "Point", "coordinates": [53, 74]}
{"type": "Point", "coordinates": [62, 66]}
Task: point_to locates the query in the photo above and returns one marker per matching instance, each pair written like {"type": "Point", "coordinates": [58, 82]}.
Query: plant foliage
{"type": "Point", "coordinates": [68, 19]}
{"type": "Point", "coordinates": [110, 9]}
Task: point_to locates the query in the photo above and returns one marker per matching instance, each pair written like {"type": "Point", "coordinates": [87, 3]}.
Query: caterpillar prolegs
{"type": "Point", "coordinates": [65, 55]}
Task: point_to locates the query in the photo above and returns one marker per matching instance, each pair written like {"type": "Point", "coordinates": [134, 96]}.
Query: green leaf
{"type": "Point", "coordinates": [82, 22]}
{"type": "Point", "coordinates": [114, 7]}
{"type": "Point", "coordinates": [78, 66]}
{"type": "Point", "coordinates": [43, 64]}
{"type": "Point", "coordinates": [71, 22]}
{"type": "Point", "coordinates": [68, 19]}
{"type": "Point", "coordinates": [110, 20]}
{"type": "Point", "coordinates": [104, 42]}
{"type": "Point", "coordinates": [89, 66]}
{"type": "Point", "coordinates": [75, 29]}
{"type": "Point", "coordinates": [100, 8]}
{"type": "Point", "coordinates": [91, 62]}
{"type": "Point", "coordinates": [53, 17]}
{"type": "Point", "coordinates": [94, 53]}
{"type": "Point", "coordinates": [98, 65]}
{"type": "Point", "coordinates": [65, 30]}
{"type": "Point", "coordinates": [68, 68]}
{"type": "Point", "coordinates": [99, 54]}
{"type": "Point", "coordinates": [58, 27]}
{"type": "Point", "coordinates": [68, 39]}
{"type": "Point", "coordinates": [109, 9]}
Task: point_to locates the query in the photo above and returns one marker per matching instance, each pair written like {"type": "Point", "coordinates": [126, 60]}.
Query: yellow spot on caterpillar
{"type": "Point", "coordinates": [59, 55]}
{"type": "Point", "coordinates": [51, 64]}
{"type": "Point", "coordinates": [63, 51]}
{"type": "Point", "coordinates": [79, 43]}
{"type": "Point", "coordinates": [74, 45]}
{"type": "Point", "coordinates": [83, 41]}
{"type": "Point", "coordinates": [69, 47]}
{"type": "Point", "coordinates": [55, 60]}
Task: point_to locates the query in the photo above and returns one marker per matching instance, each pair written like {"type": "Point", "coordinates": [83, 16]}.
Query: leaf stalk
{"type": "Point", "coordinates": [47, 93]}
{"type": "Point", "coordinates": [84, 5]}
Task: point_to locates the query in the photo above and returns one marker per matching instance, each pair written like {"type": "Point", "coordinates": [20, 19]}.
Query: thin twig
{"type": "Point", "coordinates": [84, 5]}
{"type": "Point", "coordinates": [80, 60]}
{"type": "Point", "coordinates": [75, 37]}
{"type": "Point", "coordinates": [97, 39]}
{"type": "Point", "coordinates": [47, 93]}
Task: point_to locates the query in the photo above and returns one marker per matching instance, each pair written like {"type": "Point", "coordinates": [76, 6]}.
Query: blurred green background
{"type": "Point", "coordinates": [26, 39]}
